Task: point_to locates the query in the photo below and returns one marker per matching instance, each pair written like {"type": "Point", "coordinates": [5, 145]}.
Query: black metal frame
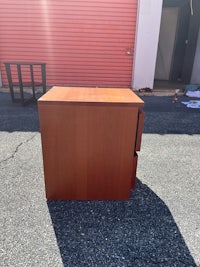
{"type": "Point", "coordinates": [21, 85]}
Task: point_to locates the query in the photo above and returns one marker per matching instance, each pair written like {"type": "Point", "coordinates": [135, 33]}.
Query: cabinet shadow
{"type": "Point", "coordinates": [137, 232]}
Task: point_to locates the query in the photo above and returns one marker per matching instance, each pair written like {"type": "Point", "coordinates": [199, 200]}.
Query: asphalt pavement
{"type": "Point", "coordinates": [159, 226]}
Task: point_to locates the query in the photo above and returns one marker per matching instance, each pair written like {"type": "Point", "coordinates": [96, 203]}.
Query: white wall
{"type": "Point", "coordinates": [148, 27]}
{"type": "Point", "coordinates": [196, 67]}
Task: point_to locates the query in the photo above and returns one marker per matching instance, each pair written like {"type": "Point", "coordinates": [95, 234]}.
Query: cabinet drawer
{"type": "Point", "coordinates": [139, 130]}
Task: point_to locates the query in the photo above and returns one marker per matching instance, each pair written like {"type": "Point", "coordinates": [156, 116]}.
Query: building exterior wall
{"type": "Point", "coordinates": [148, 27]}
{"type": "Point", "coordinates": [0, 80]}
{"type": "Point", "coordinates": [196, 67]}
{"type": "Point", "coordinates": [83, 42]}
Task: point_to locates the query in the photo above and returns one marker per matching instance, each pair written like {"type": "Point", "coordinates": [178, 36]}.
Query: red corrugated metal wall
{"type": "Point", "coordinates": [83, 42]}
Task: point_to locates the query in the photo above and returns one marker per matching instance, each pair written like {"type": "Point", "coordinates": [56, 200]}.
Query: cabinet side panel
{"type": "Point", "coordinates": [87, 150]}
{"type": "Point", "coordinates": [63, 144]}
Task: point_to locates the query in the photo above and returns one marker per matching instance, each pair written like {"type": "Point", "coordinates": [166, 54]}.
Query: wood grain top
{"type": "Point", "coordinates": [91, 95]}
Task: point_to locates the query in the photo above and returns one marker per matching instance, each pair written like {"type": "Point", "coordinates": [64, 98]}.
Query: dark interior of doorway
{"type": "Point", "coordinates": [166, 85]}
{"type": "Point", "coordinates": [184, 45]}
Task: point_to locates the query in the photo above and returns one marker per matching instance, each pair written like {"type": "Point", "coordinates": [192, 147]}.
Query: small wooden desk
{"type": "Point", "coordinates": [89, 138]}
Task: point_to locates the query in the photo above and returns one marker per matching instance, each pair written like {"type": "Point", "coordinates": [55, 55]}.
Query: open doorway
{"type": "Point", "coordinates": [177, 43]}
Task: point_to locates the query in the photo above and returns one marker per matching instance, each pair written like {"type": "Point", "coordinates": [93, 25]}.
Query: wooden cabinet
{"type": "Point", "coordinates": [89, 137]}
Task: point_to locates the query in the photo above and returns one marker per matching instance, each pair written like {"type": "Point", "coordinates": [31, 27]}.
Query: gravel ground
{"type": "Point", "coordinates": [159, 226]}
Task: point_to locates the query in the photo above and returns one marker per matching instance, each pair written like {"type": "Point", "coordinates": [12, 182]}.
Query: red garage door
{"type": "Point", "coordinates": [83, 42]}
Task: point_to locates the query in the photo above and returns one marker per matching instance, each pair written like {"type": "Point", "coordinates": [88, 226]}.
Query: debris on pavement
{"type": "Point", "coordinates": [175, 99]}
{"type": "Point", "coordinates": [192, 103]}
{"type": "Point", "coordinates": [192, 90]}
{"type": "Point", "coordinates": [146, 89]}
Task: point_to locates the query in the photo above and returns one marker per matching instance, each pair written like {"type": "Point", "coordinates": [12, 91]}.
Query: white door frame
{"type": "Point", "coordinates": [146, 44]}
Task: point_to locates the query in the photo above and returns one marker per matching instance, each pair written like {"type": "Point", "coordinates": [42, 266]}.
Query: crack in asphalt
{"type": "Point", "coordinates": [17, 149]}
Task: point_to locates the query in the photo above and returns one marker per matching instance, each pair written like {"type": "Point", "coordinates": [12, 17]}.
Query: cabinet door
{"type": "Point", "coordinates": [139, 130]}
